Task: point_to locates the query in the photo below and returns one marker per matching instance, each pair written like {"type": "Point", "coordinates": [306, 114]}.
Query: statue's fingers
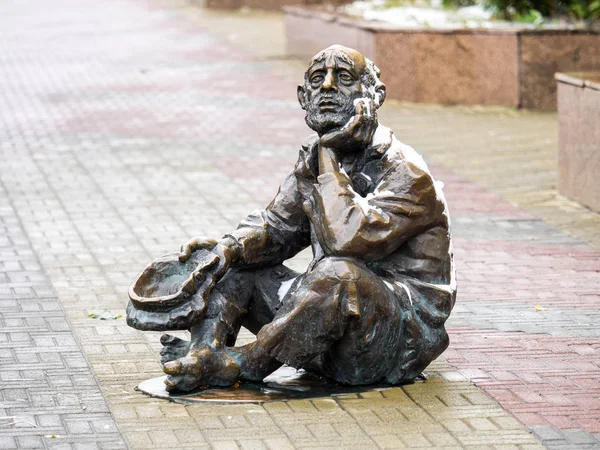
{"type": "Point", "coordinates": [373, 114]}
{"type": "Point", "coordinates": [194, 244]}
{"type": "Point", "coordinates": [362, 129]}
{"type": "Point", "coordinates": [370, 107]}
{"type": "Point", "coordinates": [359, 107]}
{"type": "Point", "coordinates": [185, 253]}
{"type": "Point", "coordinates": [204, 243]}
{"type": "Point", "coordinates": [201, 273]}
{"type": "Point", "coordinates": [347, 130]}
{"type": "Point", "coordinates": [208, 265]}
{"type": "Point", "coordinates": [373, 105]}
{"type": "Point", "coordinates": [373, 124]}
{"type": "Point", "coordinates": [356, 123]}
{"type": "Point", "coordinates": [220, 269]}
{"type": "Point", "coordinates": [206, 288]}
{"type": "Point", "coordinates": [369, 127]}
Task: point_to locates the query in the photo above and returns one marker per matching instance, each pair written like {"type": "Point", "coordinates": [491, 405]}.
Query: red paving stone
{"type": "Point", "coordinates": [540, 379]}
{"type": "Point", "coordinates": [466, 198]}
{"type": "Point", "coordinates": [544, 274]}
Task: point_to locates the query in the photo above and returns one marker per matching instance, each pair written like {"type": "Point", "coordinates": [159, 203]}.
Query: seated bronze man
{"type": "Point", "coordinates": [372, 304]}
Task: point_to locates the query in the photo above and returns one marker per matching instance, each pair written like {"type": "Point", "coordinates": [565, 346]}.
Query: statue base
{"type": "Point", "coordinates": [284, 384]}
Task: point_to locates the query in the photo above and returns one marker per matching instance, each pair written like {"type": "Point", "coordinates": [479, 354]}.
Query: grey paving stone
{"type": "Point", "coordinates": [39, 356]}
{"type": "Point", "coordinates": [30, 442]}
{"type": "Point", "coordinates": [7, 442]}
{"type": "Point", "coordinates": [548, 433]}
{"type": "Point", "coordinates": [555, 438]}
{"type": "Point", "coordinates": [510, 229]}
{"type": "Point", "coordinates": [512, 316]}
{"type": "Point", "coordinates": [580, 437]}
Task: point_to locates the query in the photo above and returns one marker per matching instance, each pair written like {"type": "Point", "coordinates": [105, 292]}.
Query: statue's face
{"type": "Point", "coordinates": [333, 84]}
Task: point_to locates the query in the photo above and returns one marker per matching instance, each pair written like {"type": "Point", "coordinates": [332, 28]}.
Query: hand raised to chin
{"type": "Point", "coordinates": [357, 133]}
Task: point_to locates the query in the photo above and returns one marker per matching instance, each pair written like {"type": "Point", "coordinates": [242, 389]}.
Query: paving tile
{"type": "Point", "coordinates": [33, 404]}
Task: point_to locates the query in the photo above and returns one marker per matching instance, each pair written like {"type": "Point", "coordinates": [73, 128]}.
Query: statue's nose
{"type": "Point", "coordinates": [329, 82]}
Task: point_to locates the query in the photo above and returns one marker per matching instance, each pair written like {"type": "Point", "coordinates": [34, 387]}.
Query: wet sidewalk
{"type": "Point", "coordinates": [128, 126]}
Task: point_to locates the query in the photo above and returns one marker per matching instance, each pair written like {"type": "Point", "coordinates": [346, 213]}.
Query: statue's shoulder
{"type": "Point", "coordinates": [397, 153]}
{"type": "Point", "coordinates": [402, 162]}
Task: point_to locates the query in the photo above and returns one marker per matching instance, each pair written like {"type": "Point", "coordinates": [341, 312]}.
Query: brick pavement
{"type": "Point", "coordinates": [128, 126]}
{"type": "Point", "coordinates": [48, 396]}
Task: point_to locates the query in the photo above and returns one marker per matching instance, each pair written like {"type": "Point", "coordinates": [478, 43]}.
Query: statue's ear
{"type": "Point", "coordinates": [302, 96]}
{"type": "Point", "coordinates": [380, 94]}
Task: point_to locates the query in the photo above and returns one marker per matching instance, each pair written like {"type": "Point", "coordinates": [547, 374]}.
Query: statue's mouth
{"type": "Point", "coordinates": [326, 105]}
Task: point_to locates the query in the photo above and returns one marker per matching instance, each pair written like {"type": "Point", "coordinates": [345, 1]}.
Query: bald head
{"type": "Point", "coordinates": [339, 52]}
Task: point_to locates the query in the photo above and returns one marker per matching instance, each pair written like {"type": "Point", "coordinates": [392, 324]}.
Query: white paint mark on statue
{"type": "Point", "coordinates": [284, 288]}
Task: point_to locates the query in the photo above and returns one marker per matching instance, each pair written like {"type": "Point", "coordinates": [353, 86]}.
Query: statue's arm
{"type": "Point", "coordinates": [404, 204]}
{"type": "Point", "coordinates": [276, 233]}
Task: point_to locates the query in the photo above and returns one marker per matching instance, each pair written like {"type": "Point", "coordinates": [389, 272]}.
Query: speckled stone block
{"type": "Point", "coordinates": [272, 5]}
{"type": "Point", "coordinates": [544, 54]}
{"type": "Point", "coordinates": [579, 137]}
{"type": "Point", "coordinates": [449, 68]}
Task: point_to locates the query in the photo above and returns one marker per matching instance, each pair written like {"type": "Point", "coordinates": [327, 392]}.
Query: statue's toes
{"type": "Point", "coordinates": [175, 383]}
{"type": "Point", "coordinates": [173, 348]}
{"type": "Point", "coordinates": [171, 354]}
{"type": "Point", "coordinates": [166, 355]}
{"type": "Point", "coordinates": [181, 383]}
{"type": "Point", "coordinates": [169, 340]}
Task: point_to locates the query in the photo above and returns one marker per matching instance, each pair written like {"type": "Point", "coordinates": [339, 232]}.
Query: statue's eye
{"type": "Point", "coordinates": [346, 78]}
{"type": "Point", "coordinates": [316, 78]}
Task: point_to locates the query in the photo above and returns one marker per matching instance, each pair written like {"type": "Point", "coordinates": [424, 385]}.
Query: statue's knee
{"type": "Point", "coordinates": [339, 268]}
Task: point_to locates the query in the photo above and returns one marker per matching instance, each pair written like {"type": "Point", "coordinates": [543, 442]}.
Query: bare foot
{"type": "Point", "coordinates": [254, 361]}
{"type": "Point", "coordinates": [203, 367]}
{"type": "Point", "coordinates": [173, 348]}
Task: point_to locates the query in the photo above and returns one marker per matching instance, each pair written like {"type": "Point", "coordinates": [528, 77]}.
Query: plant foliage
{"type": "Point", "coordinates": [535, 11]}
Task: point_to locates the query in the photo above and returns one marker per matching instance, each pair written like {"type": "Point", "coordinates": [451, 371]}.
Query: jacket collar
{"type": "Point", "coordinates": [381, 142]}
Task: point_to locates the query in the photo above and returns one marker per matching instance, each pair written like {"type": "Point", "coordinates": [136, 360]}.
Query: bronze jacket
{"type": "Point", "coordinates": [386, 210]}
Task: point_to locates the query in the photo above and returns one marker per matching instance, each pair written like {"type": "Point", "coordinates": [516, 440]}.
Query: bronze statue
{"type": "Point", "coordinates": [371, 306]}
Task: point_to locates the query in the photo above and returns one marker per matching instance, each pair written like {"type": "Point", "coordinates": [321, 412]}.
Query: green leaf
{"type": "Point", "coordinates": [105, 316]}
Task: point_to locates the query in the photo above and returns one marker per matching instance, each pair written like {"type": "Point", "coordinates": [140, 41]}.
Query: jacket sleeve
{"type": "Point", "coordinates": [272, 235]}
{"type": "Point", "coordinates": [346, 224]}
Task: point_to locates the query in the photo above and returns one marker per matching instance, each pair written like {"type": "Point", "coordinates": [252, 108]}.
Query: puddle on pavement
{"type": "Point", "coordinates": [282, 385]}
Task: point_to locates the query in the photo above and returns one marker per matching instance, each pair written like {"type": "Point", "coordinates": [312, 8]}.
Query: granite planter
{"type": "Point", "coordinates": [273, 5]}
{"type": "Point", "coordinates": [462, 66]}
{"type": "Point", "coordinates": [579, 137]}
